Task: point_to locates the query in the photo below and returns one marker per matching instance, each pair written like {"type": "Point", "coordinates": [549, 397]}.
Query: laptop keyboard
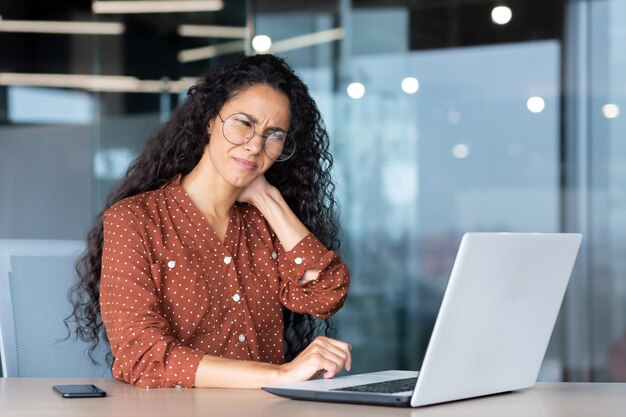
{"type": "Point", "coordinates": [385, 387]}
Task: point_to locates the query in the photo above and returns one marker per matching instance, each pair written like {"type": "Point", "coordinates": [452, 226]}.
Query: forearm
{"type": "Point", "coordinates": [289, 229]}
{"type": "Point", "coordinates": [216, 372]}
{"type": "Point", "coordinates": [322, 354]}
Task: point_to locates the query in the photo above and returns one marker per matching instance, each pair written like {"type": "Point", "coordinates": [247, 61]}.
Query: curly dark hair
{"type": "Point", "coordinates": [304, 180]}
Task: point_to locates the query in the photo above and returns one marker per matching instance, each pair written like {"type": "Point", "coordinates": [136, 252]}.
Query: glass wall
{"type": "Point", "coordinates": [165, 52]}
{"type": "Point", "coordinates": [607, 185]}
{"type": "Point", "coordinates": [444, 117]}
{"type": "Point", "coordinates": [81, 89]}
{"type": "Point", "coordinates": [444, 121]}
{"type": "Point", "coordinates": [82, 86]}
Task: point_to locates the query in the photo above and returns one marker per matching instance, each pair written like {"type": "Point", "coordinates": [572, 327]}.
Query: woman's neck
{"type": "Point", "coordinates": [213, 196]}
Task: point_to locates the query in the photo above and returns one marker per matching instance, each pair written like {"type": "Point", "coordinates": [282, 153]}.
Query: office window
{"type": "Point", "coordinates": [606, 116]}
{"type": "Point", "coordinates": [444, 118]}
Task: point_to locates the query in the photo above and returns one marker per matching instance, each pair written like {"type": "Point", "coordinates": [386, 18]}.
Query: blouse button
{"type": "Point", "coordinates": [171, 264]}
{"type": "Point", "coordinates": [242, 337]}
{"type": "Point", "coordinates": [274, 255]}
{"type": "Point", "coordinates": [298, 260]}
{"type": "Point", "coordinates": [236, 298]}
{"type": "Point", "coordinates": [227, 260]}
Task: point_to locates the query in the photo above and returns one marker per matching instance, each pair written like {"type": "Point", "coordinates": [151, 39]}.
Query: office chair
{"type": "Point", "coordinates": [35, 276]}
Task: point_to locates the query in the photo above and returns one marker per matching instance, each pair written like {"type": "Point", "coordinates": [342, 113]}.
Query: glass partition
{"type": "Point", "coordinates": [444, 117]}
{"type": "Point", "coordinates": [166, 53]}
{"type": "Point", "coordinates": [607, 180]}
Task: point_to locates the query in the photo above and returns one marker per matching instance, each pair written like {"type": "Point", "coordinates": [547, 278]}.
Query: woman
{"type": "Point", "coordinates": [212, 252]}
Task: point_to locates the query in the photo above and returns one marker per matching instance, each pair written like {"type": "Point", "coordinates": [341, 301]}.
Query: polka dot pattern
{"type": "Point", "coordinates": [171, 292]}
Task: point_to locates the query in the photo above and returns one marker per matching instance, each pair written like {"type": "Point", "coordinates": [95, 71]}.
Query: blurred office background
{"type": "Point", "coordinates": [445, 116]}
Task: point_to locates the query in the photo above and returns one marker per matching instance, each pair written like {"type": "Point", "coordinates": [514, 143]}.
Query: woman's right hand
{"type": "Point", "coordinates": [323, 354]}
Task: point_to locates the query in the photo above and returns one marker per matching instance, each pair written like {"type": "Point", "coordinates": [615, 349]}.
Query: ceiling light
{"type": "Point", "coordinates": [206, 52]}
{"type": "Point", "coordinates": [356, 90]}
{"type": "Point", "coordinates": [610, 111]}
{"type": "Point", "coordinates": [536, 104]}
{"type": "Point", "coordinates": [69, 28]}
{"type": "Point", "coordinates": [501, 15]}
{"type": "Point", "coordinates": [410, 85]}
{"type": "Point", "coordinates": [460, 151]}
{"type": "Point", "coordinates": [210, 31]}
{"type": "Point", "coordinates": [288, 44]}
{"type": "Point", "coordinates": [261, 43]}
{"type": "Point", "coordinates": [158, 6]}
{"type": "Point", "coordinates": [310, 39]}
{"type": "Point", "coordinates": [104, 83]}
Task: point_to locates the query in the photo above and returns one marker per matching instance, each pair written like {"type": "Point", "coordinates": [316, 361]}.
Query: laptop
{"type": "Point", "coordinates": [491, 334]}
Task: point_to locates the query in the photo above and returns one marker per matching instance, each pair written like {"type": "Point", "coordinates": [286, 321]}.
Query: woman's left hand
{"type": "Point", "coordinates": [251, 191]}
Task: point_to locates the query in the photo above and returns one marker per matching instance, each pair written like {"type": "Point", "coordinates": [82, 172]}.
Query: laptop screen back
{"type": "Point", "coordinates": [497, 314]}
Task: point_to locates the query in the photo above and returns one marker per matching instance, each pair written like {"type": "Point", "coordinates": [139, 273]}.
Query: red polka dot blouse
{"type": "Point", "coordinates": [171, 291]}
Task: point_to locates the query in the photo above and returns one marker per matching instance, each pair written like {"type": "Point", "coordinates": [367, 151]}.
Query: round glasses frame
{"type": "Point", "coordinates": [281, 158]}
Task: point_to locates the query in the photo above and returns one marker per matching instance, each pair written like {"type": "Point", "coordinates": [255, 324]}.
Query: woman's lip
{"type": "Point", "coordinates": [245, 163]}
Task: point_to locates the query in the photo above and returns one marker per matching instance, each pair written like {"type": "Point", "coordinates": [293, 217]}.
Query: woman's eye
{"type": "Point", "coordinates": [244, 122]}
{"type": "Point", "coordinates": [278, 135]}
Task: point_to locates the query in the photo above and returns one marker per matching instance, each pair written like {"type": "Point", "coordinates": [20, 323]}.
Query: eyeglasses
{"type": "Point", "coordinates": [239, 128]}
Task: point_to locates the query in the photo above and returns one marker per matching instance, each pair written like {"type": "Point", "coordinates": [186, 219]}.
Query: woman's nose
{"type": "Point", "coordinates": [255, 145]}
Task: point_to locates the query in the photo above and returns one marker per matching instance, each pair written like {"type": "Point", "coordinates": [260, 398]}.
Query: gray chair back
{"type": "Point", "coordinates": [35, 276]}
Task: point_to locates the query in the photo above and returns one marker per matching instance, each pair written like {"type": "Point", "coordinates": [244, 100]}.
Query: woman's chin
{"type": "Point", "coordinates": [241, 182]}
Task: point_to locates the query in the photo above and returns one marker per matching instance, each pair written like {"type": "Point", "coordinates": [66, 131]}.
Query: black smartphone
{"type": "Point", "coordinates": [79, 391]}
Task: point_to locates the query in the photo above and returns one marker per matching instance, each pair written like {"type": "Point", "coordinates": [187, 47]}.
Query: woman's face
{"type": "Point", "coordinates": [239, 165]}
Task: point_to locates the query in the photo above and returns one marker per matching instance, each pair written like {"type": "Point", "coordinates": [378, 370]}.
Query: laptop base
{"type": "Point", "coordinates": [340, 397]}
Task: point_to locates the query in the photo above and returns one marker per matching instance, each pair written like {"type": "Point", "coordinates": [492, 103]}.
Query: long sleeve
{"type": "Point", "coordinates": [321, 297]}
{"type": "Point", "coordinates": [170, 292]}
{"type": "Point", "coordinates": [146, 352]}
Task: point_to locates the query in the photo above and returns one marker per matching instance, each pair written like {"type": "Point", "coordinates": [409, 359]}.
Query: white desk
{"type": "Point", "coordinates": [34, 397]}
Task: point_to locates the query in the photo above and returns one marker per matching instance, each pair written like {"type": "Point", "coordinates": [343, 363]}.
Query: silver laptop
{"type": "Point", "coordinates": [492, 331]}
